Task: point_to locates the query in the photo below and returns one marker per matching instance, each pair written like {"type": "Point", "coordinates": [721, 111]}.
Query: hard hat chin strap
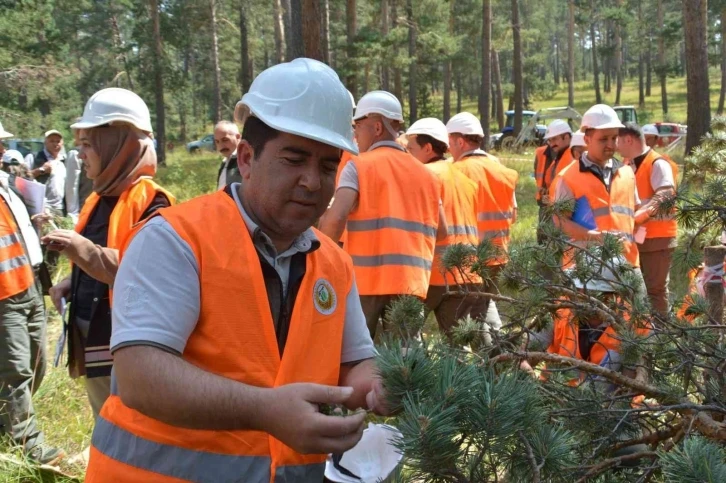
{"type": "Point", "coordinates": [389, 128]}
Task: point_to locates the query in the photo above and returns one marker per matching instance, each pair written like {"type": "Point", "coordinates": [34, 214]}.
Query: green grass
{"type": "Point", "coordinates": [61, 404]}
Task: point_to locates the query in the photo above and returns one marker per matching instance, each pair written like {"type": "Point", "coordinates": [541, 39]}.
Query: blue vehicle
{"type": "Point", "coordinates": [533, 129]}
{"type": "Point", "coordinates": [500, 140]}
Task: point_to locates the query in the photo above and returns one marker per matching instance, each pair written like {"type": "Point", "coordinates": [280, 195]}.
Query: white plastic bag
{"type": "Point", "coordinates": [373, 459]}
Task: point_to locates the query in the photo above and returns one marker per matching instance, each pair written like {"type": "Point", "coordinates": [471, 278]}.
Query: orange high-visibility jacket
{"type": "Point", "coordinates": [543, 178]}
{"type": "Point", "coordinates": [16, 273]}
{"type": "Point", "coordinates": [345, 158]}
{"type": "Point", "coordinates": [495, 209]}
{"type": "Point", "coordinates": [614, 210]}
{"type": "Point", "coordinates": [661, 226]}
{"type": "Point", "coordinates": [392, 232]}
{"type": "Point", "coordinates": [235, 339]}
{"type": "Point", "coordinates": [459, 196]}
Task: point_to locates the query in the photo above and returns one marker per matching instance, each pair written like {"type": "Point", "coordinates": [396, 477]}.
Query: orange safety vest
{"type": "Point", "coordinates": [613, 210]}
{"type": "Point", "coordinates": [496, 200]}
{"type": "Point", "coordinates": [234, 338]}
{"type": "Point", "coordinates": [459, 197]}
{"type": "Point", "coordinates": [131, 205]}
{"type": "Point", "coordinates": [660, 227]}
{"type": "Point", "coordinates": [392, 232]}
{"type": "Point", "coordinates": [544, 178]}
{"type": "Point", "coordinates": [345, 158]}
{"type": "Point", "coordinates": [16, 273]}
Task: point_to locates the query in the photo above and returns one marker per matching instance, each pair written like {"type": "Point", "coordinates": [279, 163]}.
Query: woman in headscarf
{"type": "Point", "coordinates": [118, 156]}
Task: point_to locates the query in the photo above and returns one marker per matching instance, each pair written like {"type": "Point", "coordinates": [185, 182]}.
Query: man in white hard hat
{"type": "Point", "coordinates": [549, 160]}
{"type": "Point", "coordinates": [245, 320]}
{"type": "Point", "coordinates": [428, 142]}
{"type": "Point", "coordinates": [497, 202]}
{"type": "Point", "coordinates": [603, 189]}
{"type": "Point", "coordinates": [577, 145]}
{"type": "Point", "coordinates": [655, 177]}
{"type": "Point", "coordinates": [392, 207]}
{"type": "Point", "coordinates": [226, 140]}
{"type": "Point", "coordinates": [49, 169]}
{"type": "Point", "coordinates": [650, 131]}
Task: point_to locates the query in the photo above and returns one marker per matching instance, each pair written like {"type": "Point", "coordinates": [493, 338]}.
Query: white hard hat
{"type": "Point", "coordinates": [352, 99]}
{"type": "Point", "coordinates": [13, 156]}
{"type": "Point", "coordinates": [465, 123]}
{"type": "Point", "coordinates": [51, 133]}
{"type": "Point", "coordinates": [431, 127]}
{"type": "Point", "coordinates": [650, 130]}
{"type": "Point", "coordinates": [600, 116]}
{"type": "Point", "coordinates": [556, 128]}
{"type": "Point", "coordinates": [379, 102]}
{"type": "Point", "coordinates": [114, 105]}
{"type": "Point", "coordinates": [4, 134]}
{"type": "Point", "coordinates": [303, 97]}
{"type": "Point", "coordinates": [578, 139]}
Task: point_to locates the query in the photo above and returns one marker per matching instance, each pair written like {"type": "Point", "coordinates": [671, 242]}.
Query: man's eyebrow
{"type": "Point", "coordinates": [295, 150]}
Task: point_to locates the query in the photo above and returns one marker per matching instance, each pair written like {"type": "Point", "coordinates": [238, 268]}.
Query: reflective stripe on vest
{"type": "Point", "coordinates": [661, 226]}
{"type": "Point", "coordinates": [392, 232]}
{"type": "Point", "coordinates": [16, 273]}
{"type": "Point", "coordinates": [246, 353]}
{"type": "Point", "coordinates": [614, 209]}
{"type": "Point", "coordinates": [459, 200]}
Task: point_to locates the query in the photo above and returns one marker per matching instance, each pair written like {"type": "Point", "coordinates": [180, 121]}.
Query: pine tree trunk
{"type": "Point", "coordinates": [385, 72]}
{"type": "Point", "coordinates": [160, 133]}
{"type": "Point", "coordinates": [325, 29]}
{"type": "Point", "coordinates": [517, 68]}
{"type": "Point", "coordinates": [662, 60]}
{"type": "Point", "coordinates": [279, 27]}
{"type": "Point", "coordinates": [397, 74]}
{"type": "Point", "coordinates": [571, 53]}
{"type": "Point", "coordinates": [297, 40]}
{"type": "Point", "coordinates": [459, 91]}
{"type": "Point", "coordinates": [641, 67]}
{"type": "Point", "coordinates": [722, 96]}
{"type": "Point", "coordinates": [311, 29]}
{"type": "Point", "coordinates": [593, 46]}
{"type": "Point", "coordinates": [695, 23]}
{"type": "Point", "coordinates": [412, 80]}
{"type": "Point", "coordinates": [556, 61]}
{"type": "Point", "coordinates": [245, 74]}
{"type": "Point", "coordinates": [287, 31]}
{"type": "Point", "coordinates": [351, 21]}
{"type": "Point", "coordinates": [447, 91]}
{"type": "Point", "coordinates": [486, 68]}
{"type": "Point", "coordinates": [649, 65]}
{"type": "Point", "coordinates": [217, 72]}
{"type": "Point", "coordinates": [498, 83]}
{"type": "Point", "coordinates": [618, 57]}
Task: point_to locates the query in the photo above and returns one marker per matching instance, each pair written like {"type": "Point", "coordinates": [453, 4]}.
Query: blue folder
{"type": "Point", "coordinates": [583, 214]}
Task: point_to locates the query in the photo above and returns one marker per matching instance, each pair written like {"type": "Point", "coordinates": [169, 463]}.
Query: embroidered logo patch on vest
{"type": "Point", "coordinates": [324, 297]}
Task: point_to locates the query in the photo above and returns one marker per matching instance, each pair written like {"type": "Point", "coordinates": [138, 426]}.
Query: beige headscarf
{"type": "Point", "coordinates": [126, 155]}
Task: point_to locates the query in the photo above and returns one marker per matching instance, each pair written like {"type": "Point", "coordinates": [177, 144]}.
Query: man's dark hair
{"type": "Point", "coordinates": [258, 134]}
{"type": "Point", "coordinates": [632, 129]}
{"type": "Point", "coordinates": [438, 147]}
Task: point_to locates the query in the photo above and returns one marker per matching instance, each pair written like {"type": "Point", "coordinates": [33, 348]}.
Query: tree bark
{"type": "Point", "coordinates": [287, 30]}
{"type": "Point", "coordinates": [713, 257]}
{"type": "Point", "coordinates": [556, 62]}
{"type": "Point", "coordinates": [571, 54]}
{"type": "Point", "coordinates": [217, 72]}
{"type": "Point", "coordinates": [412, 69]}
{"type": "Point", "coordinates": [245, 73]}
{"type": "Point", "coordinates": [351, 21]}
{"type": "Point", "coordinates": [325, 29]}
{"type": "Point", "coordinates": [447, 90]}
{"type": "Point", "coordinates": [385, 21]}
{"type": "Point", "coordinates": [311, 29]}
{"type": "Point", "coordinates": [517, 68]}
{"type": "Point", "coordinates": [593, 46]}
{"type": "Point", "coordinates": [641, 69]}
{"type": "Point", "coordinates": [279, 27]}
{"type": "Point", "coordinates": [695, 23]}
{"type": "Point", "coordinates": [498, 85]}
{"type": "Point", "coordinates": [662, 60]}
{"type": "Point", "coordinates": [649, 65]}
{"type": "Point", "coordinates": [486, 68]}
{"type": "Point", "coordinates": [618, 56]}
{"type": "Point", "coordinates": [459, 91]}
{"type": "Point", "coordinates": [297, 21]}
{"type": "Point", "coordinates": [160, 133]}
{"type": "Point", "coordinates": [722, 96]}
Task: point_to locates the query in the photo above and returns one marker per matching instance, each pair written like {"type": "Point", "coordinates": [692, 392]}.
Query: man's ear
{"type": "Point", "coordinates": [245, 156]}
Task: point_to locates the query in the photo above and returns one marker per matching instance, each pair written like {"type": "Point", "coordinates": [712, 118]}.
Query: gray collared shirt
{"type": "Point", "coordinates": [157, 289]}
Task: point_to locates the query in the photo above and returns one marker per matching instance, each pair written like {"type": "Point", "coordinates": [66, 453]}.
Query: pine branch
{"type": "Point", "coordinates": [530, 456]}
{"type": "Point", "coordinates": [609, 463]}
{"type": "Point", "coordinates": [651, 438]}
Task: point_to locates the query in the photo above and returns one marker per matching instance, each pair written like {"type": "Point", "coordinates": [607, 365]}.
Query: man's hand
{"type": "Point", "coordinates": [376, 399]}
{"type": "Point", "coordinates": [60, 290]}
{"type": "Point", "coordinates": [292, 416]}
{"type": "Point", "coordinates": [62, 240]}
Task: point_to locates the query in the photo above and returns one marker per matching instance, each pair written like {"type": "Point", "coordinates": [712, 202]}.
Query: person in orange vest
{"type": "Point", "coordinates": [391, 206]}
{"type": "Point", "coordinates": [497, 202]}
{"type": "Point", "coordinates": [603, 189]}
{"type": "Point", "coordinates": [235, 320]}
{"type": "Point", "coordinates": [549, 160]}
{"type": "Point", "coordinates": [120, 160]}
{"type": "Point", "coordinates": [655, 177]}
{"type": "Point", "coordinates": [428, 142]}
{"type": "Point", "coordinates": [23, 339]}
{"type": "Point", "coordinates": [577, 146]}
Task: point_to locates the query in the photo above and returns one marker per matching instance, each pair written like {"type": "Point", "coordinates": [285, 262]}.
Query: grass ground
{"type": "Point", "coordinates": [61, 404]}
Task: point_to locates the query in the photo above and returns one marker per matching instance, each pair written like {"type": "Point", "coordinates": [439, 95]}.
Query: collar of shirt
{"type": "Point", "coordinates": [592, 165]}
{"type": "Point", "coordinates": [387, 144]}
{"type": "Point", "coordinates": [474, 152]}
{"type": "Point", "coordinates": [639, 160]}
{"type": "Point", "coordinates": [306, 242]}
